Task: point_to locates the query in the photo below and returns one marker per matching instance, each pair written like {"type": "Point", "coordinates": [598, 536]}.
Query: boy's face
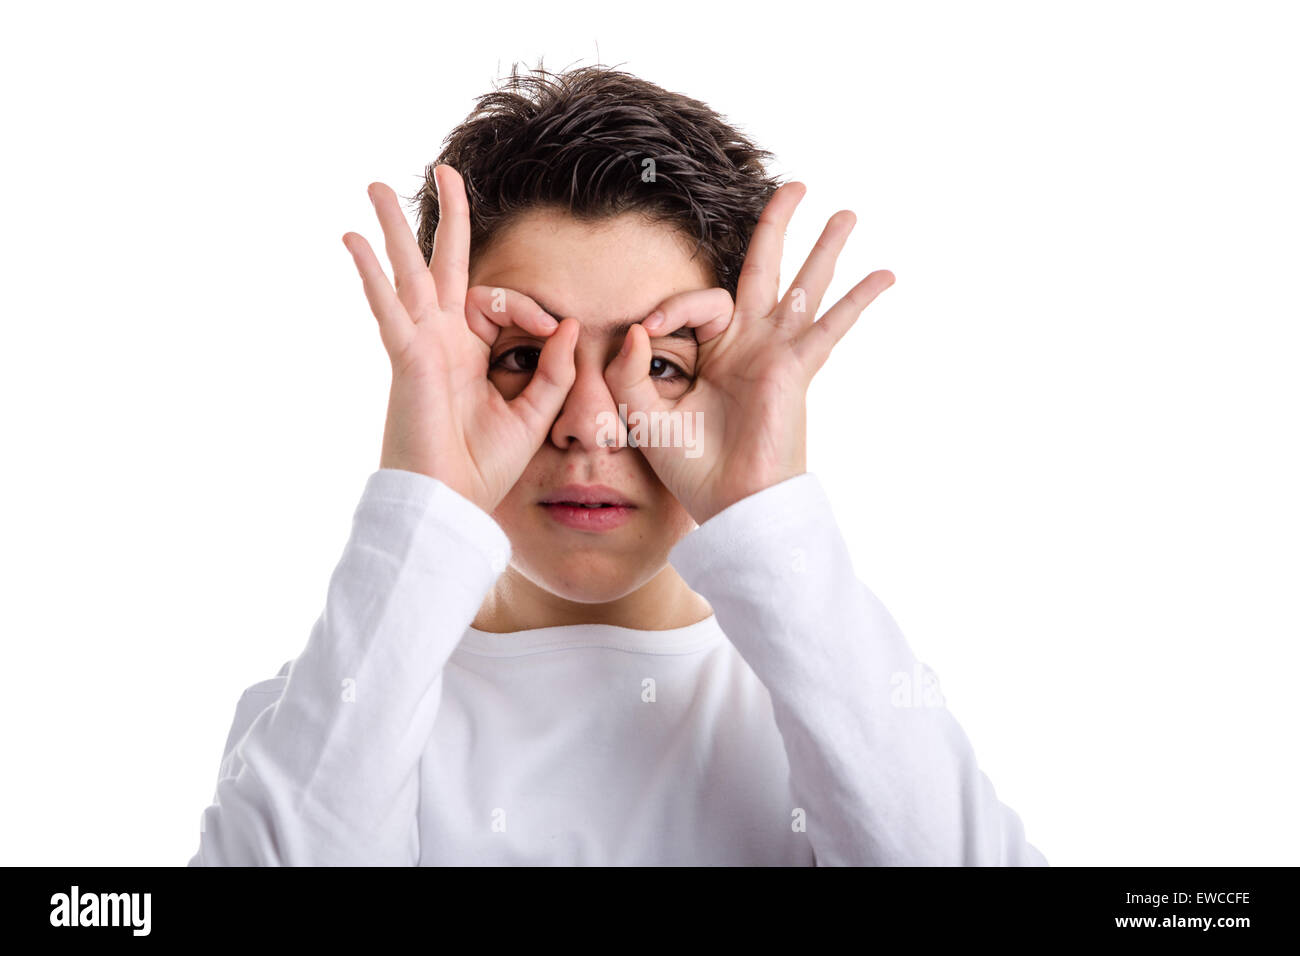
{"type": "Point", "coordinates": [605, 275]}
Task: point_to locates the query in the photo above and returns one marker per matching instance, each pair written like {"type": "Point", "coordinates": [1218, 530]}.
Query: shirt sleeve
{"type": "Point", "coordinates": [322, 762]}
{"type": "Point", "coordinates": [880, 767]}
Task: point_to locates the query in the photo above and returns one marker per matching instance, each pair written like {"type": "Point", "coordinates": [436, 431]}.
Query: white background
{"type": "Point", "coordinates": [1063, 446]}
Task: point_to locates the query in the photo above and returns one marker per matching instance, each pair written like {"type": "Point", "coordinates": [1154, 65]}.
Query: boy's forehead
{"type": "Point", "coordinates": [610, 272]}
{"type": "Point", "coordinates": [612, 327]}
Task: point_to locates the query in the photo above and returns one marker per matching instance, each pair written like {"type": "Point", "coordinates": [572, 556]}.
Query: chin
{"type": "Point", "coordinates": [585, 581]}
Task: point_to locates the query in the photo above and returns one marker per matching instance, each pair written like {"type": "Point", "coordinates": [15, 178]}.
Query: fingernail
{"type": "Point", "coordinates": [627, 344]}
{"type": "Point", "coordinates": [653, 321]}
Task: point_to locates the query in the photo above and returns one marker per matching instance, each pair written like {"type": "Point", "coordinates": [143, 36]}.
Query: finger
{"type": "Point", "coordinates": [813, 346]}
{"type": "Point", "coordinates": [395, 326]}
{"type": "Point", "coordinates": [410, 277]}
{"type": "Point", "coordinates": [539, 404]}
{"type": "Point", "coordinates": [450, 260]}
{"type": "Point", "coordinates": [799, 307]}
{"type": "Point", "coordinates": [488, 309]}
{"type": "Point", "coordinates": [628, 375]}
{"type": "Point", "coordinates": [708, 311]}
{"type": "Point", "coordinates": [760, 276]}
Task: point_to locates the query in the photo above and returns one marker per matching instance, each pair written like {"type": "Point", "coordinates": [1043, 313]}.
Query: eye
{"type": "Point", "coordinates": [523, 359]}
{"type": "Point", "coordinates": [662, 365]}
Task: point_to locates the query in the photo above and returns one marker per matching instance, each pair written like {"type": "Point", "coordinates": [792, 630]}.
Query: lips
{"type": "Point", "coordinates": [587, 496]}
{"type": "Point", "coordinates": [588, 507]}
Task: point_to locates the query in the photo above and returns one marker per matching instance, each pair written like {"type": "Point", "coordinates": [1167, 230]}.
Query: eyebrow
{"type": "Point", "coordinates": [619, 330]}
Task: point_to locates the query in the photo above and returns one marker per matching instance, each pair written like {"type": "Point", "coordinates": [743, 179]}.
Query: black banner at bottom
{"type": "Point", "coordinates": [1229, 906]}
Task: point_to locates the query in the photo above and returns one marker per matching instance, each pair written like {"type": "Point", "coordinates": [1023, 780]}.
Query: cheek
{"type": "Point", "coordinates": [513, 510]}
{"type": "Point", "coordinates": [674, 520]}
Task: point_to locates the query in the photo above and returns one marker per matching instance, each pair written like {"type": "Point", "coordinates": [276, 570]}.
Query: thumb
{"type": "Point", "coordinates": [539, 404]}
{"type": "Point", "coordinates": [628, 376]}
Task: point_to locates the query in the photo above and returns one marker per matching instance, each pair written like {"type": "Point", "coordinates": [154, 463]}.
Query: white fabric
{"type": "Point", "coordinates": [775, 732]}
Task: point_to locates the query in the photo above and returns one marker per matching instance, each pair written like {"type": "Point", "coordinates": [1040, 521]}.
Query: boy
{"type": "Point", "coordinates": [550, 641]}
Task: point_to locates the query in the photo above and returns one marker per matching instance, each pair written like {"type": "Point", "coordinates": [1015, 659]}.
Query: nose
{"type": "Point", "coordinates": [589, 418]}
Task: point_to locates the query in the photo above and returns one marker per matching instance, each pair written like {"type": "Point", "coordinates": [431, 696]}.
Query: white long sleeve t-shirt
{"type": "Point", "coordinates": [792, 727]}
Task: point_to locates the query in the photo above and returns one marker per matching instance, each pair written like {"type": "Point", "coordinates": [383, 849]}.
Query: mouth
{"type": "Point", "coordinates": [588, 507]}
{"type": "Point", "coordinates": [588, 496]}
{"type": "Point", "coordinates": [579, 504]}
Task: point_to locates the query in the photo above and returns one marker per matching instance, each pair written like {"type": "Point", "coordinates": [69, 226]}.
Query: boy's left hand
{"type": "Point", "coordinates": [751, 381]}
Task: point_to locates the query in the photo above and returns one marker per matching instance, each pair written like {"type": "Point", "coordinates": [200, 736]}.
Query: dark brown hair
{"type": "Point", "coordinates": [578, 141]}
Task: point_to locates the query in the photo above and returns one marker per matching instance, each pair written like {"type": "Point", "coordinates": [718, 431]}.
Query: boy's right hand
{"type": "Point", "coordinates": [446, 419]}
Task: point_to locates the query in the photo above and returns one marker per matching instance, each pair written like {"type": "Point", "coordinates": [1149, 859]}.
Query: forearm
{"type": "Point", "coordinates": [883, 774]}
{"type": "Point", "coordinates": [327, 774]}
